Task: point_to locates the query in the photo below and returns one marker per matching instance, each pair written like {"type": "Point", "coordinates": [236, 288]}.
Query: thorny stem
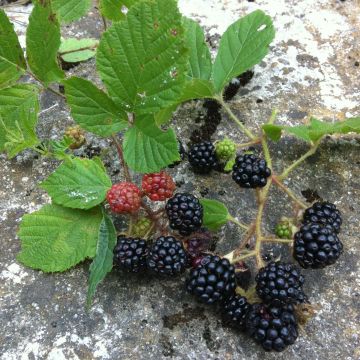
{"type": "Point", "coordinates": [286, 190]}
{"type": "Point", "coordinates": [121, 158]}
{"type": "Point", "coordinates": [296, 163]}
{"type": "Point", "coordinates": [242, 127]}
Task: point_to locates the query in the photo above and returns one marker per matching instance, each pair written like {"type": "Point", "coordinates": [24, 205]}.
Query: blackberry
{"type": "Point", "coordinates": [316, 246]}
{"type": "Point", "coordinates": [274, 327]}
{"type": "Point", "coordinates": [213, 280]}
{"type": "Point", "coordinates": [131, 253]}
{"type": "Point", "coordinates": [280, 283]}
{"type": "Point", "coordinates": [250, 171]}
{"type": "Point", "coordinates": [235, 311]}
{"type": "Point", "coordinates": [323, 213]}
{"type": "Point", "coordinates": [202, 157]}
{"type": "Point", "coordinates": [185, 213]}
{"type": "Point", "coordinates": [167, 256]}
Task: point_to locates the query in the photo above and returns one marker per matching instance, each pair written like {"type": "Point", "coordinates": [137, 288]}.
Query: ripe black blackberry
{"type": "Point", "coordinates": [213, 280]}
{"type": "Point", "coordinates": [274, 327]}
{"type": "Point", "coordinates": [280, 283]}
{"type": "Point", "coordinates": [167, 256]}
{"type": "Point", "coordinates": [323, 213]}
{"type": "Point", "coordinates": [202, 157]}
{"type": "Point", "coordinates": [316, 246]}
{"type": "Point", "coordinates": [235, 310]}
{"type": "Point", "coordinates": [249, 171]}
{"type": "Point", "coordinates": [131, 253]}
{"type": "Point", "coordinates": [185, 213]}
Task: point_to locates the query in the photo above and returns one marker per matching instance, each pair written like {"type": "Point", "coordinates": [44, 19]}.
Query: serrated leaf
{"type": "Point", "coordinates": [197, 89]}
{"type": "Point", "coordinates": [149, 149]}
{"type": "Point", "coordinates": [165, 115]}
{"type": "Point", "coordinates": [55, 238]}
{"type": "Point", "coordinates": [244, 44]}
{"type": "Point", "coordinates": [42, 43]}
{"type": "Point", "coordinates": [19, 106]}
{"type": "Point", "coordinates": [199, 53]}
{"type": "Point", "coordinates": [215, 214]}
{"type": "Point", "coordinates": [70, 10]}
{"type": "Point", "coordinates": [111, 9]}
{"type": "Point", "coordinates": [92, 109]}
{"type": "Point", "coordinates": [315, 130]}
{"type": "Point", "coordinates": [76, 50]}
{"type": "Point", "coordinates": [12, 61]}
{"type": "Point", "coordinates": [103, 261]}
{"type": "Point", "coordinates": [78, 183]}
{"type": "Point", "coordinates": [142, 59]}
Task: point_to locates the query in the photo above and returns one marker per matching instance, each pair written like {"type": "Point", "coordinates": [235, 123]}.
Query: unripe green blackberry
{"type": "Point", "coordinates": [225, 149]}
{"type": "Point", "coordinates": [141, 227]}
{"type": "Point", "coordinates": [283, 230]}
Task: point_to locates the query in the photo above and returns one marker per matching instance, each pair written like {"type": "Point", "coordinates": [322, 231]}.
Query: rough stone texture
{"type": "Point", "coordinates": [313, 68]}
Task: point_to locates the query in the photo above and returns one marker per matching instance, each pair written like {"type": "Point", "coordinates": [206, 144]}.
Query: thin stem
{"type": "Point", "coordinates": [296, 163]}
{"type": "Point", "coordinates": [287, 191]}
{"type": "Point", "coordinates": [266, 151]}
{"type": "Point", "coordinates": [243, 257]}
{"type": "Point", "coordinates": [276, 240]}
{"type": "Point", "coordinates": [76, 50]}
{"type": "Point", "coordinates": [104, 22]}
{"type": "Point", "coordinates": [121, 158]}
{"type": "Point", "coordinates": [247, 144]}
{"type": "Point", "coordinates": [44, 86]}
{"type": "Point", "coordinates": [242, 127]}
{"type": "Point", "coordinates": [272, 116]}
{"type": "Point", "coordinates": [238, 223]}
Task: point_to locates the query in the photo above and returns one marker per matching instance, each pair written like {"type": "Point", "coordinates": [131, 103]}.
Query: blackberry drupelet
{"type": "Point", "coordinates": [167, 256]}
{"type": "Point", "coordinates": [131, 253]}
{"type": "Point", "coordinates": [274, 327]}
{"type": "Point", "coordinates": [213, 280]}
{"type": "Point", "coordinates": [185, 213]}
{"type": "Point", "coordinates": [202, 157]}
{"type": "Point", "coordinates": [316, 246]}
{"type": "Point", "coordinates": [280, 283]}
{"type": "Point", "coordinates": [250, 171]}
{"type": "Point", "coordinates": [323, 213]}
{"type": "Point", "coordinates": [235, 310]}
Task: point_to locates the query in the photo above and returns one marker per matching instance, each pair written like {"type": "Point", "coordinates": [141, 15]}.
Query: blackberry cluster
{"type": "Point", "coordinates": [212, 281]}
{"type": "Point", "coordinates": [235, 311]}
{"type": "Point", "coordinates": [280, 283]}
{"type": "Point", "coordinates": [249, 171]}
{"type": "Point", "coordinates": [202, 157]}
{"type": "Point", "coordinates": [272, 326]}
{"type": "Point", "coordinates": [316, 244]}
{"type": "Point", "coordinates": [185, 213]}
{"type": "Point", "coordinates": [167, 256]}
{"type": "Point", "coordinates": [131, 253]}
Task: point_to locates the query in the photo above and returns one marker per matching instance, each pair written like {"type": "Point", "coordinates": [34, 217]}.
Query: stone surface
{"type": "Point", "coordinates": [311, 69]}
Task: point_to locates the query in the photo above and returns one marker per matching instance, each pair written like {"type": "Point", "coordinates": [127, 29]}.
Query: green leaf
{"type": "Point", "coordinates": [76, 50]}
{"type": "Point", "coordinates": [92, 109]}
{"type": "Point", "coordinates": [42, 43]}
{"type": "Point", "coordinates": [78, 183]}
{"type": "Point", "coordinates": [19, 106]}
{"type": "Point", "coordinates": [103, 261]}
{"type": "Point", "coordinates": [215, 214]}
{"type": "Point", "coordinates": [244, 44]}
{"type": "Point", "coordinates": [200, 58]}
{"type": "Point", "coordinates": [57, 238]}
{"type": "Point", "coordinates": [12, 61]}
{"type": "Point", "coordinates": [149, 149]}
{"type": "Point", "coordinates": [165, 115]}
{"type": "Point", "coordinates": [315, 130]}
{"type": "Point", "coordinates": [111, 9]}
{"type": "Point", "coordinates": [197, 89]}
{"type": "Point", "coordinates": [142, 60]}
{"type": "Point", "coordinates": [229, 164]}
{"type": "Point", "coordinates": [70, 10]}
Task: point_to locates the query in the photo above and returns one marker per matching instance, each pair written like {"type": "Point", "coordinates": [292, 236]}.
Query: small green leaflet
{"type": "Point", "coordinates": [12, 61]}
{"type": "Point", "coordinates": [215, 214]}
{"type": "Point", "coordinates": [78, 183]}
{"type": "Point", "coordinates": [149, 149]}
{"type": "Point", "coordinates": [244, 44]}
{"type": "Point", "coordinates": [92, 109]}
{"type": "Point", "coordinates": [143, 60]}
{"type": "Point", "coordinates": [19, 106]}
{"type": "Point", "coordinates": [315, 130]}
{"type": "Point", "coordinates": [111, 9]}
{"type": "Point", "coordinates": [70, 10]}
{"type": "Point", "coordinates": [103, 261]}
{"type": "Point", "coordinates": [76, 50]}
{"type": "Point", "coordinates": [42, 43]}
{"type": "Point", "coordinates": [55, 238]}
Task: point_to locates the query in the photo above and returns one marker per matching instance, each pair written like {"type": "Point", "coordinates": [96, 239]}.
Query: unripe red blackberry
{"type": "Point", "coordinates": [124, 197]}
{"type": "Point", "coordinates": [158, 186]}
